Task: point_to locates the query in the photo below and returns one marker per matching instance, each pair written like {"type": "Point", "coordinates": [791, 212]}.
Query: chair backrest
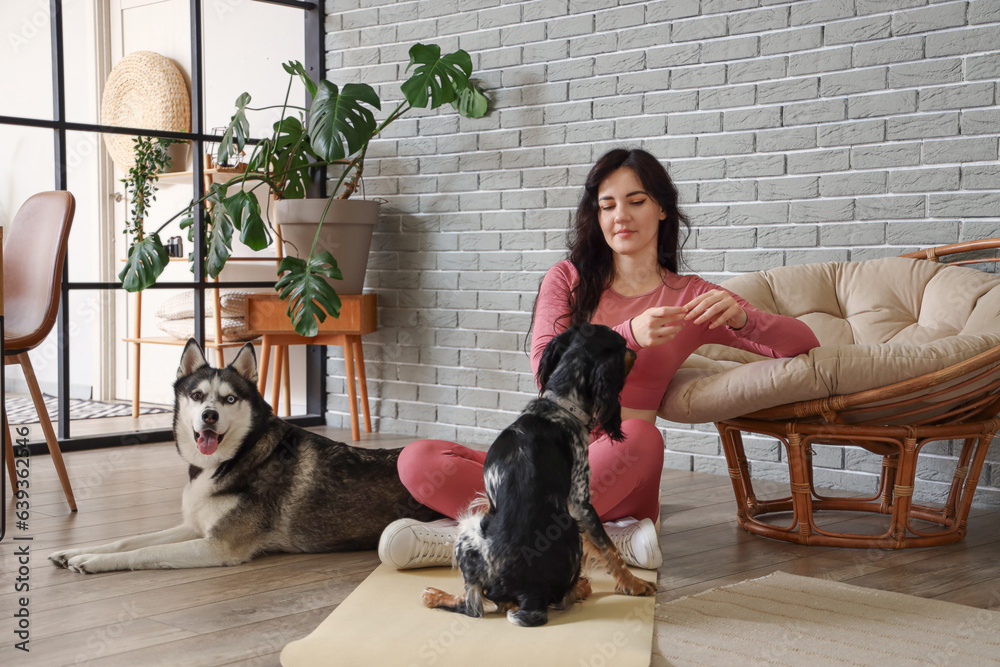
{"type": "Point", "coordinates": [888, 300]}
{"type": "Point", "coordinates": [33, 255]}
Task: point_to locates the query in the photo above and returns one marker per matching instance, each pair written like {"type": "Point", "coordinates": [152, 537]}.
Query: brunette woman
{"type": "Point", "coordinates": [623, 272]}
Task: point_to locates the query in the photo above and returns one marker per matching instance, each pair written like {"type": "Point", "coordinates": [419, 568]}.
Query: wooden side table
{"type": "Point", "coordinates": [266, 315]}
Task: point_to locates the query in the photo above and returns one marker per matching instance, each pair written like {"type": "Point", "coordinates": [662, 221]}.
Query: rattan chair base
{"type": "Point", "coordinates": [900, 447]}
{"type": "Point", "coordinates": [895, 422]}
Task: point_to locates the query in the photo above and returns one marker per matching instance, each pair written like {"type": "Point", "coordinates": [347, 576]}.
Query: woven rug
{"type": "Point", "coordinates": [20, 410]}
{"type": "Point", "coordinates": [784, 619]}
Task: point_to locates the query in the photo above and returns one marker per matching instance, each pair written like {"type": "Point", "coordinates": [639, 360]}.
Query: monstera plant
{"type": "Point", "coordinates": [341, 124]}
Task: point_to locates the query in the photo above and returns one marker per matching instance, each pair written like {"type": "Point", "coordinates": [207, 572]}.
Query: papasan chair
{"type": "Point", "coordinates": [909, 355]}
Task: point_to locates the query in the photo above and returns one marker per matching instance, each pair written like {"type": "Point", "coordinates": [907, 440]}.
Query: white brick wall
{"type": "Point", "coordinates": [797, 131]}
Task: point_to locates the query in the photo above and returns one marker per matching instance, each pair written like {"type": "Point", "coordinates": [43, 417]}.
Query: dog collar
{"type": "Point", "coordinates": [570, 407]}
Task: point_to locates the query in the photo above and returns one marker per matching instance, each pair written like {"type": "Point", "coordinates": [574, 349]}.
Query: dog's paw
{"type": "Point", "coordinates": [433, 597]}
{"type": "Point", "coordinates": [61, 558]}
{"type": "Point", "coordinates": [636, 587]}
{"type": "Point", "coordinates": [90, 563]}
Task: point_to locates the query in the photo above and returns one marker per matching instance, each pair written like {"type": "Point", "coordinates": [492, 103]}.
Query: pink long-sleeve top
{"type": "Point", "coordinates": [764, 333]}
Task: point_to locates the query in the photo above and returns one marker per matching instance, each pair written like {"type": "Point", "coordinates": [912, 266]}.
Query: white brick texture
{"type": "Point", "coordinates": [797, 131]}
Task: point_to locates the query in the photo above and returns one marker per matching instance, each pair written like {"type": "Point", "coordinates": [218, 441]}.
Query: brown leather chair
{"type": "Point", "coordinates": [33, 256]}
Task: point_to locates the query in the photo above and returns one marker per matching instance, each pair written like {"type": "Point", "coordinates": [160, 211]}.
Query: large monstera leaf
{"type": "Point", "coordinates": [296, 68]}
{"type": "Point", "coordinates": [220, 241]}
{"type": "Point", "coordinates": [437, 79]}
{"type": "Point", "coordinates": [342, 116]}
{"type": "Point", "coordinates": [471, 102]}
{"type": "Point", "coordinates": [302, 285]}
{"type": "Point", "coordinates": [146, 260]}
{"type": "Point", "coordinates": [243, 209]}
{"type": "Point", "coordinates": [237, 132]}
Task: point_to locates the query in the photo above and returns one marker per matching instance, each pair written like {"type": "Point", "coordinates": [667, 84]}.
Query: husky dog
{"type": "Point", "coordinates": [257, 483]}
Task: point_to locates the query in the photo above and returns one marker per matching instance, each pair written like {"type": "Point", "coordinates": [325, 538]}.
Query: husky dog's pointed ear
{"type": "Point", "coordinates": [245, 363]}
{"type": "Point", "coordinates": [191, 359]}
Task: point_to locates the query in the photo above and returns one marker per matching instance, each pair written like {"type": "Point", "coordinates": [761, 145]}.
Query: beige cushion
{"type": "Point", "coordinates": [878, 322]}
{"type": "Point", "coordinates": [233, 329]}
{"type": "Point", "coordinates": [181, 306]}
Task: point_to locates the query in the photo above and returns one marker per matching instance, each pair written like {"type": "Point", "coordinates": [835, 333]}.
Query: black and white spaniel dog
{"type": "Point", "coordinates": [521, 547]}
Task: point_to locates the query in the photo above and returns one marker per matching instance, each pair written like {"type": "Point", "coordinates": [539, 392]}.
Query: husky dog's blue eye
{"type": "Point", "coordinates": [197, 396]}
{"type": "Point", "coordinates": [230, 399]}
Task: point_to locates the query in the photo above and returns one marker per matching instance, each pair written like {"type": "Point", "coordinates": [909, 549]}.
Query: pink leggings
{"type": "Point", "coordinates": [625, 476]}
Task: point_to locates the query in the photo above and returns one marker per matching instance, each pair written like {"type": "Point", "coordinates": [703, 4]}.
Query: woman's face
{"type": "Point", "coordinates": [630, 218]}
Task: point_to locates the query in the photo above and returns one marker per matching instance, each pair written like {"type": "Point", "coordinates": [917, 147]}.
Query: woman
{"type": "Point", "coordinates": [621, 272]}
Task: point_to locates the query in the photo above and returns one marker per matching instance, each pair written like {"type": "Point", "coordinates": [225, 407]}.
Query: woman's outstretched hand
{"type": "Point", "coordinates": [718, 308]}
{"type": "Point", "coordinates": [656, 326]}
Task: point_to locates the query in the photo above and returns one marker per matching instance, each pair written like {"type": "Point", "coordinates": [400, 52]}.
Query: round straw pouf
{"type": "Point", "coordinates": [147, 90]}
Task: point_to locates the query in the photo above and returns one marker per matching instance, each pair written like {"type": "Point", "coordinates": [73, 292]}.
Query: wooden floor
{"type": "Point", "coordinates": [245, 615]}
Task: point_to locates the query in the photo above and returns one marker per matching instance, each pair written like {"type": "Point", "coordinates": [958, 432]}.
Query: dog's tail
{"type": "Point", "coordinates": [480, 504]}
{"type": "Point", "coordinates": [528, 618]}
{"type": "Point", "coordinates": [470, 522]}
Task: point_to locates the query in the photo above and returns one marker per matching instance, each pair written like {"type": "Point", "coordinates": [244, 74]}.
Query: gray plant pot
{"type": "Point", "coordinates": [180, 157]}
{"type": "Point", "coordinates": [347, 234]}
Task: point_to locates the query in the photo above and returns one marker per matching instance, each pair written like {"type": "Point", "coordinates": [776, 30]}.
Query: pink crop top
{"type": "Point", "coordinates": [764, 333]}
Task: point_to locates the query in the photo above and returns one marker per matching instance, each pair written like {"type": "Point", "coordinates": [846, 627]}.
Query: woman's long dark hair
{"type": "Point", "coordinates": [589, 251]}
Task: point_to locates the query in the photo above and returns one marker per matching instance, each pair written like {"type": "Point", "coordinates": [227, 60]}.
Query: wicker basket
{"type": "Point", "coordinates": [145, 89]}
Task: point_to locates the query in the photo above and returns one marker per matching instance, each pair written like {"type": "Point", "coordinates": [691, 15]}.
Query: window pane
{"type": "Point", "coordinates": [27, 167]}
{"type": "Point", "coordinates": [80, 61]}
{"type": "Point", "coordinates": [89, 235]}
{"type": "Point", "coordinates": [231, 70]}
{"type": "Point", "coordinates": [25, 59]}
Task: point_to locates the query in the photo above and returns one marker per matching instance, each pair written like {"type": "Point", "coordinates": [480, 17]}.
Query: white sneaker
{"type": "Point", "coordinates": [637, 541]}
{"type": "Point", "coordinates": [407, 544]}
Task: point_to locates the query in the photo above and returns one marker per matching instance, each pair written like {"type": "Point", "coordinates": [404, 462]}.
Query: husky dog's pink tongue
{"type": "Point", "coordinates": [208, 441]}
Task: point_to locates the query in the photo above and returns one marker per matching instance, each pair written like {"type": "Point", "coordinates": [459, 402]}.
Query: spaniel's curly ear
{"type": "Point", "coordinates": [607, 382]}
{"type": "Point", "coordinates": [553, 354]}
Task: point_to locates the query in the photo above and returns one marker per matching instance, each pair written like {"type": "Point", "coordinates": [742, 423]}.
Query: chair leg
{"type": "Point", "coordinates": [799, 465]}
{"type": "Point", "coordinates": [50, 435]}
{"type": "Point", "coordinates": [972, 479]}
{"type": "Point", "coordinates": [352, 388]}
{"type": "Point", "coordinates": [359, 359]}
{"type": "Point", "coordinates": [286, 381]}
{"type": "Point", "coordinates": [961, 475]}
{"type": "Point", "coordinates": [279, 360]}
{"type": "Point", "coordinates": [739, 472]}
{"type": "Point", "coordinates": [265, 358]}
{"type": "Point", "coordinates": [8, 453]}
{"type": "Point", "coordinates": [902, 490]}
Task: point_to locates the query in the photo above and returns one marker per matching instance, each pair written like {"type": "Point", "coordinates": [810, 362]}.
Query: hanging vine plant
{"type": "Point", "coordinates": [147, 256]}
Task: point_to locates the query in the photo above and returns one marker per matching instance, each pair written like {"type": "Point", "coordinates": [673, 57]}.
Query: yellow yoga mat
{"type": "Point", "coordinates": [383, 622]}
